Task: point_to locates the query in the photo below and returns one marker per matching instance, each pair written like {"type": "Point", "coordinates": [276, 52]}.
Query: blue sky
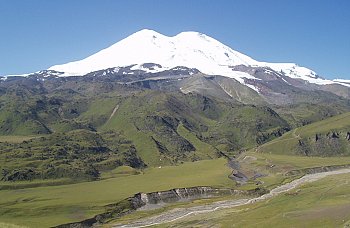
{"type": "Point", "coordinates": [35, 34]}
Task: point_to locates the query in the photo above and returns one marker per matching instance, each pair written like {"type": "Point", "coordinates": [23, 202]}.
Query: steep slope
{"type": "Point", "coordinates": [329, 137]}
{"type": "Point", "coordinates": [80, 126]}
{"type": "Point", "coordinates": [157, 122]}
{"type": "Point", "coordinates": [78, 155]}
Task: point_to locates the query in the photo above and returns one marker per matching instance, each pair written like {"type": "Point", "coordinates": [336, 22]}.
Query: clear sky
{"type": "Point", "coordinates": [36, 34]}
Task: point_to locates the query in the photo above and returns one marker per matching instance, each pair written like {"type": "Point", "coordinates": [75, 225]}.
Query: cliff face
{"type": "Point", "coordinates": [151, 200]}
{"type": "Point", "coordinates": [180, 194]}
{"type": "Point", "coordinates": [332, 143]}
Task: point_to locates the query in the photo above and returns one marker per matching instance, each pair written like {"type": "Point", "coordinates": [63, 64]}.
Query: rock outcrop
{"type": "Point", "coordinates": [148, 200]}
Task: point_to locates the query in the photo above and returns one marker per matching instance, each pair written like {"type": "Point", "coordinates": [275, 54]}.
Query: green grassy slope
{"type": "Point", "coordinates": [204, 150]}
{"type": "Point", "coordinates": [329, 137]}
{"type": "Point", "coordinates": [48, 206]}
{"type": "Point", "coordinates": [302, 114]}
{"type": "Point", "coordinates": [334, 123]}
{"type": "Point", "coordinates": [162, 128]}
{"type": "Point", "coordinates": [38, 208]}
{"type": "Point", "coordinates": [79, 154]}
{"type": "Point", "coordinates": [151, 120]}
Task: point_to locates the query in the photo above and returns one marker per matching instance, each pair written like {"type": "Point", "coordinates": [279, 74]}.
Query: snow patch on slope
{"type": "Point", "coordinates": [343, 82]}
{"type": "Point", "coordinates": [240, 76]}
{"type": "Point", "coordinates": [291, 70]}
{"type": "Point", "coordinates": [18, 75]}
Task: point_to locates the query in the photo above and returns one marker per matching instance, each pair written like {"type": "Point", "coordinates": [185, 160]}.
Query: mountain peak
{"type": "Point", "coordinates": [149, 32]}
{"type": "Point", "coordinates": [146, 33]}
{"type": "Point", "coordinates": [189, 49]}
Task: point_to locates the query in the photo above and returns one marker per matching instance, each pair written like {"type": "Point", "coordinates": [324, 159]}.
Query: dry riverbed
{"type": "Point", "coordinates": [179, 213]}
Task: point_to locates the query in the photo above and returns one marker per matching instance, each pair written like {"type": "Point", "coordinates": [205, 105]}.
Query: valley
{"type": "Point", "coordinates": [37, 208]}
{"type": "Point", "coordinates": [55, 205]}
{"type": "Point", "coordinates": [177, 214]}
{"type": "Point", "coordinates": [321, 203]}
{"type": "Point", "coordinates": [194, 127]}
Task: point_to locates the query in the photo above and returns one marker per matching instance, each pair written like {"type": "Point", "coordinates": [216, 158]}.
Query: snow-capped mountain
{"type": "Point", "coordinates": [192, 62]}
{"type": "Point", "coordinates": [147, 51]}
{"type": "Point", "coordinates": [189, 49]}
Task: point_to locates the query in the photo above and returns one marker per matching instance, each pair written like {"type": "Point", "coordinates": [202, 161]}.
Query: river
{"type": "Point", "coordinates": [179, 213]}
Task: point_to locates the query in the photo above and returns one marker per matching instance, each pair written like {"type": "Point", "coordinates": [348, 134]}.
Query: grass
{"type": "Point", "coordinates": [119, 172]}
{"type": "Point", "coordinates": [66, 155]}
{"type": "Point", "coordinates": [142, 119]}
{"type": "Point", "coordinates": [203, 150]}
{"type": "Point", "coordinates": [257, 162]}
{"type": "Point", "coordinates": [7, 225]}
{"type": "Point", "coordinates": [49, 206]}
{"type": "Point", "coordinates": [275, 166]}
{"type": "Point", "coordinates": [142, 141]}
{"type": "Point", "coordinates": [53, 205]}
{"type": "Point", "coordinates": [337, 122]}
{"type": "Point", "coordinates": [299, 162]}
{"type": "Point", "coordinates": [4, 185]}
{"type": "Point", "coordinates": [306, 113]}
{"type": "Point", "coordinates": [289, 142]}
{"type": "Point", "coordinates": [324, 203]}
{"type": "Point", "coordinates": [17, 138]}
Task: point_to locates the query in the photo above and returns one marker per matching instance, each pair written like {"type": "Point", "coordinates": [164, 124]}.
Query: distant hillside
{"type": "Point", "coordinates": [329, 137]}
{"type": "Point", "coordinates": [125, 116]}
{"type": "Point", "coordinates": [77, 127]}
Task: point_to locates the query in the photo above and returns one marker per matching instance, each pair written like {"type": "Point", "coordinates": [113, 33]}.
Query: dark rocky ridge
{"type": "Point", "coordinates": [274, 87]}
{"type": "Point", "coordinates": [333, 143]}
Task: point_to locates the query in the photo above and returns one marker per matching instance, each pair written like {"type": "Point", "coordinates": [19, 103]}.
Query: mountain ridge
{"type": "Point", "coordinates": [189, 49]}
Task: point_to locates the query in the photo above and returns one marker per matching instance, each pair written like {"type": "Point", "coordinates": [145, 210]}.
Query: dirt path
{"type": "Point", "coordinates": [114, 111]}
{"type": "Point", "coordinates": [179, 213]}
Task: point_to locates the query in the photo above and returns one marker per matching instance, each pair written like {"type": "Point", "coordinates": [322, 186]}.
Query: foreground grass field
{"type": "Point", "coordinates": [273, 167]}
{"type": "Point", "coordinates": [53, 205]}
{"type": "Point", "coordinates": [49, 206]}
{"type": "Point", "coordinates": [324, 203]}
{"type": "Point", "coordinates": [6, 225]}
